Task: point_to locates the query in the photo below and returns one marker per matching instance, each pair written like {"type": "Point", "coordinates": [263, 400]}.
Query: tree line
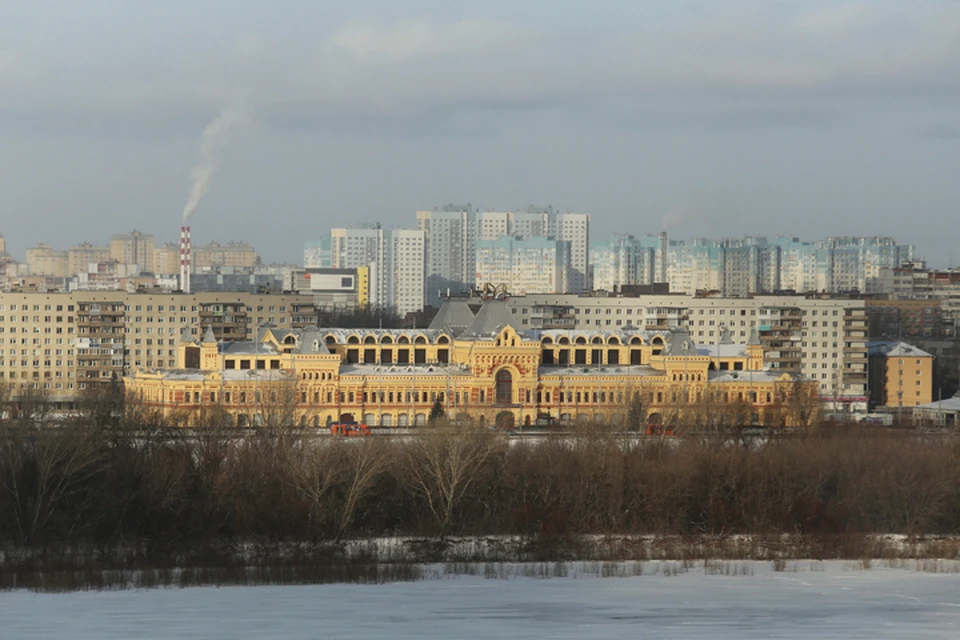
{"type": "Point", "coordinates": [122, 480]}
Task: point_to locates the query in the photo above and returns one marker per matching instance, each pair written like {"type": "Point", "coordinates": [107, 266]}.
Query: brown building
{"type": "Point", "coordinates": [895, 319]}
{"type": "Point", "coordinates": [901, 375]}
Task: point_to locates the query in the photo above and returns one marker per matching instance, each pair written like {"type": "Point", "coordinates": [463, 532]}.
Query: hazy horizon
{"type": "Point", "coordinates": [797, 118]}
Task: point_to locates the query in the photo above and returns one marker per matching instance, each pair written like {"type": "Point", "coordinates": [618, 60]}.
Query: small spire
{"type": "Point", "coordinates": [208, 337]}
{"type": "Point", "coordinates": [754, 339]}
{"type": "Point", "coordinates": [725, 336]}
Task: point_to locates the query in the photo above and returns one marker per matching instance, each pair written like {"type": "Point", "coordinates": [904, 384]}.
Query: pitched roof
{"type": "Point", "coordinates": [494, 315]}
{"type": "Point", "coordinates": [680, 343]}
{"type": "Point", "coordinates": [896, 349]}
{"type": "Point", "coordinates": [454, 317]}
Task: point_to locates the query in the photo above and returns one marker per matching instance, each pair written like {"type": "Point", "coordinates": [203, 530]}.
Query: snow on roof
{"type": "Point", "coordinates": [593, 371]}
{"type": "Point", "coordinates": [743, 376]}
{"type": "Point", "coordinates": [378, 370]}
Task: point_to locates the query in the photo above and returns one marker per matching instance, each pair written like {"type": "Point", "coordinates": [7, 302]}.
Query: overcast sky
{"type": "Point", "coordinates": [711, 118]}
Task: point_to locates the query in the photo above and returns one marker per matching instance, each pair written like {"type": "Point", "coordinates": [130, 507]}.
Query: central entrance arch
{"type": "Point", "coordinates": [504, 391]}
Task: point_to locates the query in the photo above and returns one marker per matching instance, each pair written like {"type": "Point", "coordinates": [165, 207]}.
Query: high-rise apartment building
{"type": "Point", "coordinates": [452, 233]}
{"type": "Point", "coordinates": [133, 248]}
{"type": "Point", "coordinates": [394, 262]}
{"type": "Point", "coordinates": [575, 229]}
{"type": "Point", "coordinates": [403, 280]}
{"type": "Point", "coordinates": [450, 237]}
{"type": "Point", "coordinates": [626, 260]}
{"type": "Point", "coordinates": [522, 266]}
{"type": "Point", "coordinates": [80, 257]}
{"type": "Point", "coordinates": [166, 259]}
{"type": "Point", "coordinates": [742, 266]}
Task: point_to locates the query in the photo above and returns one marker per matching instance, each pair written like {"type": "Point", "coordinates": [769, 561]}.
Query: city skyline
{"type": "Point", "coordinates": [812, 119]}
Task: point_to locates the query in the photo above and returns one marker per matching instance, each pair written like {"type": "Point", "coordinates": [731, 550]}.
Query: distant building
{"type": "Point", "coordinates": [530, 265]}
{"type": "Point", "coordinates": [80, 257]}
{"type": "Point", "coordinates": [43, 260]}
{"type": "Point", "coordinates": [133, 248]}
{"type": "Point", "coordinates": [231, 254]}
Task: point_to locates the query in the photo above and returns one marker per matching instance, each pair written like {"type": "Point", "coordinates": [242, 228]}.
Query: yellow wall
{"type": "Point", "coordinates": [911, 375]}
{"type": "Point", "coordinates": [325, 386]}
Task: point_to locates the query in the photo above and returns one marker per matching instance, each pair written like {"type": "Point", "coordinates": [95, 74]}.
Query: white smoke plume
{"type": "Point", "coordinates": [215, 137]}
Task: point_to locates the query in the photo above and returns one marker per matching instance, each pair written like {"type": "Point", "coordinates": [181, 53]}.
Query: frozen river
{"type": "Point", "coordinates": [835, 601]}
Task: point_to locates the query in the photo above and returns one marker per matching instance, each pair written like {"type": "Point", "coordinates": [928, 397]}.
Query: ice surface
{"type": "Point", "coordinates": [834, 602]}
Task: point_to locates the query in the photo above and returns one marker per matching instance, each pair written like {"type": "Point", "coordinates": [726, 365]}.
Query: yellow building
{"type": "Point", "coordinates": [478, 367]}
{"type": "Point", "coordinates": [133, 248]}
{"type": "Point", "coordinates": [901, 375]}
{"type": "Point", "coordinates": [80, 257]}
{"type": "Point", "coordinates": [231, 254]}
{"type": "Point", "coordinates": [44, 260]}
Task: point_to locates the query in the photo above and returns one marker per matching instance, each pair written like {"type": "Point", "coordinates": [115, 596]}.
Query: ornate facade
{"type": "Point", "coordinates": [478, 367]}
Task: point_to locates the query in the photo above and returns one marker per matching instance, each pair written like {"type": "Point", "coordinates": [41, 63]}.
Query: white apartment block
{"type": "Point", "coordinates": [452, 233]}
{"type": "Point", "coordinates": [450, 260]}
{"type": "Point", "coordinates": [824, 339]}
{"type": "Point", "coordinates": [522, 266]}
{"type": "Point", "coordinates": [748, 265]}
{"type": "Point", "coordinates": [405, 252]}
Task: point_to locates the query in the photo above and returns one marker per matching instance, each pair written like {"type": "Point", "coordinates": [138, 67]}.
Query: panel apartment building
{"type": "Point", "coordinates": [62, 344]}
{"type": "Point", "coordinates": [823, 338]}
{"type": "Point", "coordinates": [453, 231]}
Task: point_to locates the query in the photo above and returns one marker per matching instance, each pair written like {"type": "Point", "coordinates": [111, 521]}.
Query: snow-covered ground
{"type": "Point", "coordinates": [723, 600]}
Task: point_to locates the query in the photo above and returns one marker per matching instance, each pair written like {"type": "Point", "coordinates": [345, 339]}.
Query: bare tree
{"type": "Point", "coordinates": [364, 461]}
{"type": "Point", "coordinates": [443, 461]}
{"type": "Point", "coordinates": [42, 468]}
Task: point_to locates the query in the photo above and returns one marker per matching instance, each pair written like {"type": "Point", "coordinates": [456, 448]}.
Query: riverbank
{"type": "Point", "coordinates": [387, 560]}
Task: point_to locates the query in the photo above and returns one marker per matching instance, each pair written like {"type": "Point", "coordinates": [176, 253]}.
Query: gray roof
{"type": "Point", "coordinates": [494, 315]}
{"type": "Point", "coordinates": [386, 370]}
{"type": "Point", "coordinates": [208, 336]}
{"type": "Point", "coordinates": [896, 349]}
{"type": "Point", "coordinates": [229, 374]}
{"type": "Point", "coordinates": [681, 343]}
{"type": "Point", "coordinates": [754, 338]}
{"type": "Point", "coordinates": [247, 347]}
{"type": "Point", "coordinates": [947, 405]}
{"type": "Point", "coordinates": [744, 376]}
{"type": "Point", "coordinates": [454, 317]}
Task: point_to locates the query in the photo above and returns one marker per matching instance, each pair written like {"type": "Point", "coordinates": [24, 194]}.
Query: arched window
{"type": "Point", "coordinates": [597, 340]}
{"type": "Point", "coordinates": [581, 340]}
{"type": "Point", "coordinates": [564, 340]}
{"type": "Point", "coordinates": [613, 340]}
{"type": "Point", "coordinates": [504, 380]}
{"type": "Point", "coordinates": [370, 340]}
{"type": "Point", "coordinates": [386, 340]}
{"type": "Point", "coordinates": [353, 340]}
{"type": "Point", "coordinates": [403, 340]}
{"type": "Point", "coordinates": [443, 340]}
{"type": "Point", "coordinates": [420, 340]}
{"type": "Point", "coordinates": [547, 340]}
{"type": "Point", "coordinates": [636, 340]}
{"type": "Point", "coordinates": [290, 340]}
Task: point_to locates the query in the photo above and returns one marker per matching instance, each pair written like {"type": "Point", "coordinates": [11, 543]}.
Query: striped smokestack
{"type": "Point", "coordinates": [185, 259]}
